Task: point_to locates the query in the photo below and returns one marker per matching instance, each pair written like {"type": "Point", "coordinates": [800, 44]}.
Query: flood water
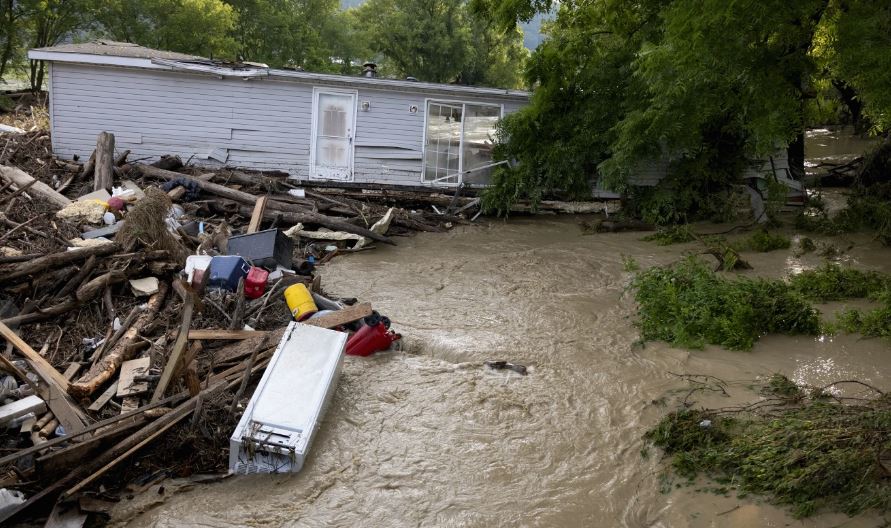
{"type": "Point", "coordinates": [428, 436]}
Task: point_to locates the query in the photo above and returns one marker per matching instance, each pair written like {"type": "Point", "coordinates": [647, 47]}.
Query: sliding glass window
{"type": "Point", "coordinates": [458, 142]}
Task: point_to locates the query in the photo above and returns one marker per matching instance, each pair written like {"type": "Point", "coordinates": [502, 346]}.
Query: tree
{"type": "Point", "coordinates": [708, 84]}
{"type": "Point", "coordinates": [288, 32]}
{"type": "Point", "coordinates": [426, 39]}
{"type": "Point", "coordinates": [47, 23]}
{"type": "Point", "coordinates": [200, 27]}
{"type": "Point", "coordinates": [496, 56]}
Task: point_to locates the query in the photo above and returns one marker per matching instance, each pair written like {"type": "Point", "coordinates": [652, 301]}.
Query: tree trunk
{"type": "Point", "coordinates": [104, 169]}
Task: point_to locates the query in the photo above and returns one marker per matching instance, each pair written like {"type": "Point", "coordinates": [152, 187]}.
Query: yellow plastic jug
{"type": "Point", "coordinates": [300, 302]}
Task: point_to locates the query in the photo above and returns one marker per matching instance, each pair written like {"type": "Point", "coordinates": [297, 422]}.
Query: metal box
{"type": "Point", "coordinates": [263, 248]}
{"type": "Point", "coordinates": [282, 417]}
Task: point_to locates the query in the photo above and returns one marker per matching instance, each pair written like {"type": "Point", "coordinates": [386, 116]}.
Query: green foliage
{"type": "Point", "coordinates": [290, 33]}
{"type": "Point", "coordinates": [666, 236]}
{"type": "Point", "coordinates": [706, 85]}
{"type": "Point", "coordinates": [870, 323]}
{"type": "Point", "coordinates": [441, 41]}
{"type": "Point", "coordinates": [688, 305]}
{"type": "Point", "coordinates": [763, 241]}
{"type": "Point", "coordinates": [832, 282]}
{"type": "Point", "coordinates": [200, 27]}
{"type": "Point", "coordinates": [805, 454]}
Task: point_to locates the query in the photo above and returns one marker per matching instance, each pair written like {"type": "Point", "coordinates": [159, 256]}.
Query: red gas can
{"type": "Point", "coordinates": [255, 282]}
{"type": "Point", "coordinates": [370, 339]}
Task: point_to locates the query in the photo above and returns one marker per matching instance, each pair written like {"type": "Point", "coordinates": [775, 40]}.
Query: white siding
{"type": "Point", "coordinates": [257, 124]}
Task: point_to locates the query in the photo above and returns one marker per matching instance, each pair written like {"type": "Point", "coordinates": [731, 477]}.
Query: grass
{"type": "Point", "coordinates": [800, 449]}
{"type": "Point", "coordinates": [690, 306]}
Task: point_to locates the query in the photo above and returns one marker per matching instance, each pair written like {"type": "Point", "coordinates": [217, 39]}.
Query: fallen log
{"type": "Point", "coordinates": [105, 368]}
{"type": "Point", "coordinates": [307, 217]}
{"type": "Point", "coordinates": [105, 162]}
{"type": "Point", "coordinates": [287, 212]}
{"type": "Point", "coordinates": [84, 294]}
{"type": "Point", "coordinates": [21, 178]}
{"type": "Point", "coordinates": [55, 260]}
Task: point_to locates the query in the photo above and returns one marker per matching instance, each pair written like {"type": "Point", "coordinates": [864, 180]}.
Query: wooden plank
{"type": "Point", "coordinates": [341, 317]}
{"type": "Point", "coordinates": [56, 391]}
{"type": "Point", "coordinates": [129, 370]}
{"type": "Point", "coordinates": [71, 371]}
{"type": "Point", "coordinates": [182, 341]}
{"type": "Point", "coordinates": [104, 398]}
{"type": "Point", "coordinates": [104, 168]}
{"type": "Point", "coordinates": [11, 411]}
{"type": "Point", "coordinates": [257, 214]}
{"type": "Point", "coordinates": [40, 365]}
{"type": "Point", "coordinates": [129, 404]}
{"type": "Point", "coordinates": [225, 335]}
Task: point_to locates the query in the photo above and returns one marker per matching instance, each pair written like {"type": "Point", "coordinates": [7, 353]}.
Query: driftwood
{"type": "Point", "coordinates": [105, 368]}
{"type": "Point", "coordinates": [84, 294]}
{"type": "Point", "coordinates": [287, 212]}
{"type": "Point", "coordinates": [22, 178]}
{"type": "Point", "coordinates": [305, 217]}
{"type": "Point", "coordinates": [105, 162]}
{"type": "Point", "coordinates": [56, 260]}
{"type": "Point", "coordinates": [257, 214]}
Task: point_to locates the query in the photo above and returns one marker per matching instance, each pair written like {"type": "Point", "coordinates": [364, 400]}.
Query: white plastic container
{"type": "Point", "coordinates": [193, 262]}
{"type": "Point", "coordinates": [277, 427]}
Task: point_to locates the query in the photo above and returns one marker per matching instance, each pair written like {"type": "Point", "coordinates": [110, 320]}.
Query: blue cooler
{"type": "Point", "coordinates": [225, 271]}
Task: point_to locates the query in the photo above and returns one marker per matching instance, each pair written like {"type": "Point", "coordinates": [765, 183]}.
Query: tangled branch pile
{"type": "Point", "coordinates": [806, 449]}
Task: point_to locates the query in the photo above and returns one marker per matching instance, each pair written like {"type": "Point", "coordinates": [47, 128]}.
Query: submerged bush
{"type": "Point", "coordinates": [688, 305]}
{"type": "Point", "coordinates": [763, 242]}
{"type": "Point", "coordinates": [676, 234]}
{"type": "Point", "coordinates": [832, 282]}
{"type": "Point", "coordinates": [804, 453]}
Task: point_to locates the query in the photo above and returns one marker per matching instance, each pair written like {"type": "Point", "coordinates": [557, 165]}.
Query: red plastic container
{"type": "Point", "coordinates": [370, 339]}
{"type": "Point", "coordinates": [255, 282]}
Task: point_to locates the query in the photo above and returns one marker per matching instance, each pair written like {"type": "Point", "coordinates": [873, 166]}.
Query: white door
{"type": "Point", "coordinates": [334, 124]}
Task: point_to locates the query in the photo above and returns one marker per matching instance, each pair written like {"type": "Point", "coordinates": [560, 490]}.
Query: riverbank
{"type": "Point", "coordinates": [428, 436]}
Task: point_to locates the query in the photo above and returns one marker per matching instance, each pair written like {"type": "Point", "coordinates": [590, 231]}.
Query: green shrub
{"type": "Point", "coordinates": [689, 305]}
{"type": "Point", "coordinates": [763, 242]}
{"type": "Point", "coordinates": [832, 282]}
{"type": "Point", "coordinates": [676, 234]}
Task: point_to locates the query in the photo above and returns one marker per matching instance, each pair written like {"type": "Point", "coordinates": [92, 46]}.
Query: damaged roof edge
{"type": "Point", "coordinates": [194, 65]}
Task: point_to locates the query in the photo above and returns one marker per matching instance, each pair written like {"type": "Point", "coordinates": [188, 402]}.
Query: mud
{"type": "Point", "coordinates": [428, 436]}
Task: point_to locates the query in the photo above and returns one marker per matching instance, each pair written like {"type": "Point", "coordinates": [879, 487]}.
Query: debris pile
{"type": "Point", "coordinates": [139, 305]}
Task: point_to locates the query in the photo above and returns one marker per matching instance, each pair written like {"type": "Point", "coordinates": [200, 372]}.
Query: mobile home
{"type": "Point", "coordinates": [317, 127]}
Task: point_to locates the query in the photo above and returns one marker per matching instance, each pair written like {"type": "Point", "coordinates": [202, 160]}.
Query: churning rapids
{"type": "Point", "coordinates": [427, 436]}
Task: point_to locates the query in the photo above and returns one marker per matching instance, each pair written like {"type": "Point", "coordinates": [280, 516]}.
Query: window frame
{"type": "Point", "coordinates": [452, 102]}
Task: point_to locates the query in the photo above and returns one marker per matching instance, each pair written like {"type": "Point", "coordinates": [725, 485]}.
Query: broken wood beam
{"type": "Point", "coordinates": [341, 317]}
{"type": "Point", "coordinates": [225, 335]}
{"type": "Point", "coordinates": [257, 214]}
{"type": "Point", "coordinates": [55, 393]}
{"type": "Point", "coordinates": [21, 178]}
{"type": "Point", "coordinates": [105, 162]}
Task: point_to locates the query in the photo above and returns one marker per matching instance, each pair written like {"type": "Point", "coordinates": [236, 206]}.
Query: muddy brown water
{"type": "Point", "coordinates": [427, 436]}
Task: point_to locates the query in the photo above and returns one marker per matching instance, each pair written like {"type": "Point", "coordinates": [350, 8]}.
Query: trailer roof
{"type": "Point", "coordinates": [111, 53]}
